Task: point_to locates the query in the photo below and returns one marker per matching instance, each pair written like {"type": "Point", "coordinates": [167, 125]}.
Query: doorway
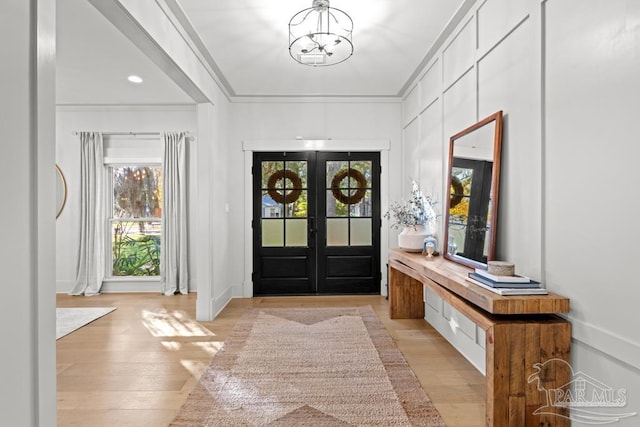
{"type": "Point", "coordinates": [316, 223]}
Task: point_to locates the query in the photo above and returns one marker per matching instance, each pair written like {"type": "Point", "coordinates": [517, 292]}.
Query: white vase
{"type": "Point", "coordinates": [411, 238]}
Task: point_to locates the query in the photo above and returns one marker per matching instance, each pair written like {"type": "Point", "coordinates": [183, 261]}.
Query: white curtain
{"type": "Point", "coordinates": [174, 274]}
{"type": "Point", "coordinates": [90, 272]}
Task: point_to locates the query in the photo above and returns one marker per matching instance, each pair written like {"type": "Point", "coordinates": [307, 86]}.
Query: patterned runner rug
{"type": "Point", "coordinates": [308, 367]}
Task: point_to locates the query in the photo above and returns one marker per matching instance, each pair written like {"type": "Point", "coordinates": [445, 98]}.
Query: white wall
{"type": "Point", "coordinates": [27, 182]}
{"type": "Point", "coordinates": [113, 119]}
{"type": "Point", "coordinates": [221, 208]}
{"type": "Point", "coordinates": [215, 208]}
{"type": "Point", "coordinates": [565, 73]}
{"type": "Point", "coordinates": [592, 85]}
{"type": "Point", "coordinates": [282, 121]}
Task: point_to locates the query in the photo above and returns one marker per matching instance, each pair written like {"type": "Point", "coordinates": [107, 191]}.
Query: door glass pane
{"type": "Point", "coordinates": [296, 232]}
{"type": "Point", "coordinates": [298, 208]}
{"type": "Point", "coordinates": [464, 176]}
{"type": "Point", "coordinates": [457, 233]}
{"type": "Point", "coordinates": [296, 174]}
{"type": "Point", "coordinates": [335, 207]}
{"type": "Point", "coordinates": [364, 167]}
{"type": "Point", "coordinates": [485, 251]}
{"type": "Point", "coordinates": [337, 232]}
{"type": "Point", "coordinates": [460, 190]}
{"type": "Point", "coordinates": [268, 169]}
{"type": "Point", "coordinates": [363, 207]}
{"type": "Point", "coordinates": [361, 232]}
{"type": "Point", "coordinates": [333, 167]}
{"type": "Point", "coordinates": [272, 232]}
{"type": "Point", "coordinates": [270, 208]}
{"type": "Point", "coordinates": [461, 179]}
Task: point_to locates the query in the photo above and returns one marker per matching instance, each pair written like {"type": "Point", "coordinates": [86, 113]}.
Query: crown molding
{"type": "Point", "coordinates": [433, 51]}
{"type": "Point", "coordinates": [132, 107]}
{"type": "Point", "coordinates": [317, 99]}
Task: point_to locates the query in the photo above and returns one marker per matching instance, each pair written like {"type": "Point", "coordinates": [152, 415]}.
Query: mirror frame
{"type": "Point", "coordinates": [495, 190]}
{"type": "Point", "coordinates": [63, 182]}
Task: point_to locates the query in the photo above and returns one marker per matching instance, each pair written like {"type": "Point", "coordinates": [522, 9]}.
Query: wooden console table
{"type": "Point", "coordinates": [520, 331]}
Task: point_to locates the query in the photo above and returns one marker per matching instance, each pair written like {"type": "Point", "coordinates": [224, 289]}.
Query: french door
{"type": "Point", "coordinates": [316, 223]}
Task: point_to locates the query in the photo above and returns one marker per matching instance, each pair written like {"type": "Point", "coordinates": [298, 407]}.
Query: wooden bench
{"type": "Point", "coordinates": [520, 332]}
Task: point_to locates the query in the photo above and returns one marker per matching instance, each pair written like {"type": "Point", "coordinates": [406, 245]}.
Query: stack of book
{"type": "Point", "coordinates": [506, 285]}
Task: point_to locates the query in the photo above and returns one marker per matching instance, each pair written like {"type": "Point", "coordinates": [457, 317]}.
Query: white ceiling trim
{"type": "Point", "coordinates": [342, 145]}
{"type": "Point", "coordinates": [127, 107]}
{"type": "Point", "coordinates": [249, 99]}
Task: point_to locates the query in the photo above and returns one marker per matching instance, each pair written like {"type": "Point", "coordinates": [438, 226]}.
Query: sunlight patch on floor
{"type": "Point", "coordinates": [211, 347]}
{"type": "Point", "coordinates": [195, 367]}
{"type": "Point", "coordinates": [208, 347]}
{"type": "Point", "coordinates": [172, 324]}
{"type": "Point", "coordinates": [171, 345]}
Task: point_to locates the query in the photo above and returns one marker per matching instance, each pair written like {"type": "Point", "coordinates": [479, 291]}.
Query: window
{"type": "Point", "coordinates": [135, 219]}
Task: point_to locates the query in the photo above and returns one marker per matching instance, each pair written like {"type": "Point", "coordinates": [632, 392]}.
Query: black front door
{"type": "Point", "coordinates": [316, 223]}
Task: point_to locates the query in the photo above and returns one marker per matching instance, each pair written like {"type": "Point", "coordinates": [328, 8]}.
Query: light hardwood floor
{"type": "Point", "coordinates": [136, 365]}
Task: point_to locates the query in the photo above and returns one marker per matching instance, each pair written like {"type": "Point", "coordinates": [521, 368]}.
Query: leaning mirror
{"type": "Point", "coordinates": [61, 191]}
{"type": "Point", "coordinates": [473, 177]}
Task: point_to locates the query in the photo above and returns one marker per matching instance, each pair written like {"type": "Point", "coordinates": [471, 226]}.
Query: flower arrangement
{"type": "Point", "coordinates": [418, 210]}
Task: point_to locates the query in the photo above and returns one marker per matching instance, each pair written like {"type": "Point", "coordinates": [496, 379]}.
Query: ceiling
{"type": "Point", "coordinates": [247, 41]}
{"type": "Point", "coordinates": [93, 61]}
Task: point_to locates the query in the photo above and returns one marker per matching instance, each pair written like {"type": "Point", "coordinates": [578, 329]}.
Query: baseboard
{"type": "Point", "coordinates": [64, 286]}
{"type": "Point", "coordinates": [126, 286]}
{"type": "Point", "coordinates": [245, 291]}
{"type": "Point", "coordinates": [219, 303]}
{"type": "Point", "coordinates": [119, 286]}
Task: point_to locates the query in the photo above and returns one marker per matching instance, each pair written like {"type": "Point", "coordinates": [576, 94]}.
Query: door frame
{"type": "Point", "coordinates": [339, 145]}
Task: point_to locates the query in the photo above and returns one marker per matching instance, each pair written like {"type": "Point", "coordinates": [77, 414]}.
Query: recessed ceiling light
{"type": "Point", "coordinates": [134, 79]}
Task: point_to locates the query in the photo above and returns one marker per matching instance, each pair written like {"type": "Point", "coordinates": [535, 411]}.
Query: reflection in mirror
{"type": "Point", "coordinates": [61, 191]}
{"type": "Point", "coordinates": [473, 178]}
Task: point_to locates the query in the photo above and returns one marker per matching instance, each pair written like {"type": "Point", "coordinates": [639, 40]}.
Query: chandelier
{"type": "Point", "coordinates": [320, 35]}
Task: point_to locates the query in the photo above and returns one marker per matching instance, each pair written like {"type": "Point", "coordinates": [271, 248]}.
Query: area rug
{"type": "Point", "coordinates": [308, 367]}
{"type": "Point", "coordinates": [72, 318]}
